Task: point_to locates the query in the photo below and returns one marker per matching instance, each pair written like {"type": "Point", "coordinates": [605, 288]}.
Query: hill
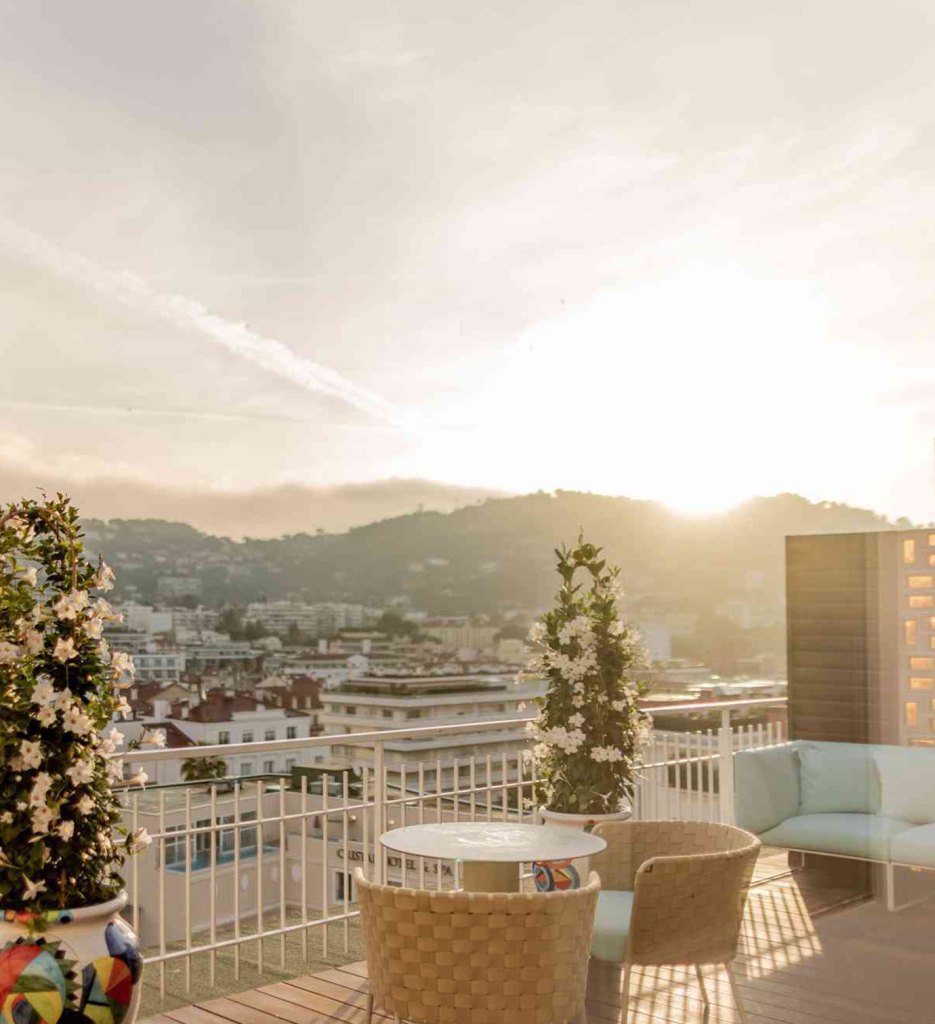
{"type": "Point", "coordinates": [491, 557]}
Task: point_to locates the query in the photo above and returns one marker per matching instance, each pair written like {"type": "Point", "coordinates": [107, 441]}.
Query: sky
{"type": "Point", "coordinates": [665, 250]}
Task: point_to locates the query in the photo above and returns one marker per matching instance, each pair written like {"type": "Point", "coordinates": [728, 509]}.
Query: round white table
{"type": "Point", "coordinates": [491, 851]}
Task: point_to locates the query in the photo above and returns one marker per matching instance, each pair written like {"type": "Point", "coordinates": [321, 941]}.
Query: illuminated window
{"type": "Point", "coordinates": [931, 559]}
{"type": "Point", "coordinates": [932, 642]}
{"type": "Point", "coordinates": [923, 743]}
{"type": "Point", "coordinates": [932, 540]}
{"type": "Point", "coordinates": [922, 601]}
{"type": "Point", "coordinates": [921, 683]}
{"type": "Point", "coordinates": [909, 552]}
{"type": "Point", "coordinates": [932, 622]}
{"type": "Point", "coordinates": [923, 663]}
{"type": "Point", "coordinates": [921, 582]}
{"type": "Point", "coordinates": [912, 714]}
{"type": "Point", "coordinates": [909, 631]}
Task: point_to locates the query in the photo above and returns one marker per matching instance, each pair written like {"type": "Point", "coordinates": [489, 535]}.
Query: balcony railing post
{"type": "Point", "coordinates": [379, 809]}
{"type": "Point", "coordinates": [726, 768]}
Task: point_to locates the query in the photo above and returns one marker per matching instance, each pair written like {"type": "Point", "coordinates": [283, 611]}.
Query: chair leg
{"type": "Point", "coordinates": [625, 998]}
{"type": "Point", "coordinates": [369, 1008]}
{"type": "Point", "coordinates": [701, 985]}
{"type": "Point", "coordinates": [735, 991]}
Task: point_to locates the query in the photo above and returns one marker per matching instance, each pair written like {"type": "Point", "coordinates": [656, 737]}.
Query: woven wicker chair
{"type": "Point", "coordinates": [477, 958]}
{"type": "Point", "coordinates": [673, 892]}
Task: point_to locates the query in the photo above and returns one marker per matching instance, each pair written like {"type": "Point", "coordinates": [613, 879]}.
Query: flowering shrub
{"type": "Point", "coordinates": [590, 732]}
{"type": "Point", "coordinates": [61, 841]}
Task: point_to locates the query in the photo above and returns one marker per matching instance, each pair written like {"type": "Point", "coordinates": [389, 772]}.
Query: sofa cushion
{"type": "Point", "coordinates": [915, 846]}
{"type": "Point", "coordinates": [838, 778]}
{"type": "Point", "coordinates": [907, 780]}
{"type": "Point", "coordinates": [852, 835]}
{"type": "Point", "coordinates": [611, 925]}
{"type": "Point", "coordinates": [766, 786]}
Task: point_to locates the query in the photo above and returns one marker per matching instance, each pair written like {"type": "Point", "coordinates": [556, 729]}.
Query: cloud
{"type": "Point", "coordinates": [263, 512]}
{"type": "Point", "coordinates": [185, 313]}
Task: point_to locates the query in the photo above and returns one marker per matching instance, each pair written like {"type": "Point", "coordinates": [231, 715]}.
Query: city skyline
{"type": "Point", "coordinates": [247, 247]}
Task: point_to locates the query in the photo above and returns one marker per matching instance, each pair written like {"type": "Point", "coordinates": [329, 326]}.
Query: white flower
{"type": "Point", "coordinates": [138, 840]}
{"type": "Point", "coordinates": [139, 778]}
{"type": "Point", "coordinates": [610, 754]}
{"type": "Point", "coordinates": [34, 641]}
{"type": "Point", "coordinates": [113, 738]}
{"type": "Point", "coordinates": [105, 578]}
{"type": "Point", "coordinates": [93, 628]}
{"type": "Point", "coordinates": [6, 818]}
{"type": "Point", "coordinates": [43, 692]}
{"type": "Point", "coordinates": [8, 652]}
{"type": "Point", "coordinates": [30, 576]}
{"type": "Point", "coordinates": [577, 700]}
{"type": "Point", "coordinates": [61, 699]}
{"type": "Point", "coordinates": [32, 889]}
{"type": "Point", "coordinates": [68, 606]}
{"type": "Point", "coordinates": [154, 738]}
{"type": "Point", "coordinates": [80, 773]}
{"type": "Point", "coordinates": [65, 649]}
{"type": "Point", "coordinates": [122, 663]}
{"type": "Point", "coordinates": [576, 720]}
{"type": "Point", "coordinates": [42, 818]}
{"type": "Point", "coordinates": [30, 756]}
{"type": "Point", "coordinates": [103, 610]}
{"type": "Point", "coordinates": [123, 708]}
{"type": "Point", "coordinates": [45, 716]}
{"type": "Point", "coordinates": [115, 769]}
{"type": "Point", "coordinates": [66, 830]}
{"type": "Point", "coordinates": [536, 633]}
{"type": "Point", "coordinates": [85, 805]}
{"type": "Point", "coordinates": [40, 789]}
{"type": "Point", "coordinates": [77, 722]}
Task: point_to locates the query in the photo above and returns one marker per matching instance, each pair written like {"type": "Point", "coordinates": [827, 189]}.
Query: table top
{"type": "Point", "coordinates": [491, 841]}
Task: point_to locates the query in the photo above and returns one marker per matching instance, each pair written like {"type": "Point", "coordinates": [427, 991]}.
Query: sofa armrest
{"type": "Point", "coordinates": [766, 787]}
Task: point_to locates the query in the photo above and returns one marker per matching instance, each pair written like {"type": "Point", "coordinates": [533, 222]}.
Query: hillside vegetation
{"type": "Point", "coordinates": [490, 557]}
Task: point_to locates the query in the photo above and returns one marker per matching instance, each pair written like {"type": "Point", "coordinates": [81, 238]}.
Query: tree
{"type": "Point", "coordinates": [61, 834]}
{"type": "Point", "coordinates": [590, 733]}
{"type": "Point", "coordinates": [203, 769]}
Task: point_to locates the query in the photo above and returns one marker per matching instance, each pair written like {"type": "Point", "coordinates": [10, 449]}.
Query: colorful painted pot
{"type": "Point", "coordinates": [81, 967]}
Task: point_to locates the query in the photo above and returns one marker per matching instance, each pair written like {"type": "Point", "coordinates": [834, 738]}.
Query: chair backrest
{"type": "Point", "coordinates": [477, 958]}
{"type": "Point", "coordinates": [690, 881]}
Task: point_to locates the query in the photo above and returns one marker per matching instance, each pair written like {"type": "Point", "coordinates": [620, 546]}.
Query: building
{"type": "Point", "coordinates": [861, 637]}
{"type": "Point", "coordinates": [462, 634]}
{"type": "Point", "coordinates": [368, 703]}
{"type": "Point", "coordinates": [143, 618]}
{"type": "Point", "coordinates": [318, 620]}
{"type": "Point", "coordinates": [223, 718]}
{"type": "Point", "coordinates": [194, 620]}
{"type": "Point", "coordinates": [173, 587]}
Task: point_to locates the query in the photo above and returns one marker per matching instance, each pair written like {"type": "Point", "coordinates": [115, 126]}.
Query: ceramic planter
{"type": "Point", "coordinates": [550, 876]}
{"type": "Point", "coordinates": [79, 967]}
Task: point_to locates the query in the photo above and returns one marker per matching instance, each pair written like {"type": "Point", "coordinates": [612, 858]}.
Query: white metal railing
{"type": "Point", "coordinates": [239, 863]}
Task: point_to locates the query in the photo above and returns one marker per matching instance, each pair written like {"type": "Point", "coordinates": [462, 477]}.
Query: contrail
{"type": "Point", "coordinates": [268, 353]}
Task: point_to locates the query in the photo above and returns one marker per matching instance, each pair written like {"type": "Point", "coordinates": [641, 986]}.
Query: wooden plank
{"type": "Point", "coordinates": [316, 1010]}
{"type": "Point", "coordinates": [194, 1015]}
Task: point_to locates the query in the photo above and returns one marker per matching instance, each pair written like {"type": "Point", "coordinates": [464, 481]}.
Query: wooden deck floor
{"type": "Point", "coordinates": [807, 957]}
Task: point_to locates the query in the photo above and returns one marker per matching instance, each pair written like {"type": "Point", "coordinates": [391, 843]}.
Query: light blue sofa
{"type": "Point", "coordinates": [865, 801]}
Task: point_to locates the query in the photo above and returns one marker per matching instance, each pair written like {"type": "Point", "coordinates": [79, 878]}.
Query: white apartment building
{"type": "Point", "coordinates": [194, 620]}
{"type": "Point", "coordinates": [159, 666]}
{"type": "Point", "coordinates": [322, 619]}
{"type": "Point", "coordinates": [143, 618]}
{"type": "Point", "coordinates": [225, 720]}
{"type": "Point", "coordinates": [455, 635]}
{"type": "Point", "coordinates": [369, 703]}
{"type": "Point", "coordinates": [330, 669]}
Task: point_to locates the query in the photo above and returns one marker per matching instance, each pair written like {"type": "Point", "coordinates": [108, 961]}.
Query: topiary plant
{"type": "Point", "coordinates": [62, 843]}
{"type": "Point", "coordinates": [590, 732]}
